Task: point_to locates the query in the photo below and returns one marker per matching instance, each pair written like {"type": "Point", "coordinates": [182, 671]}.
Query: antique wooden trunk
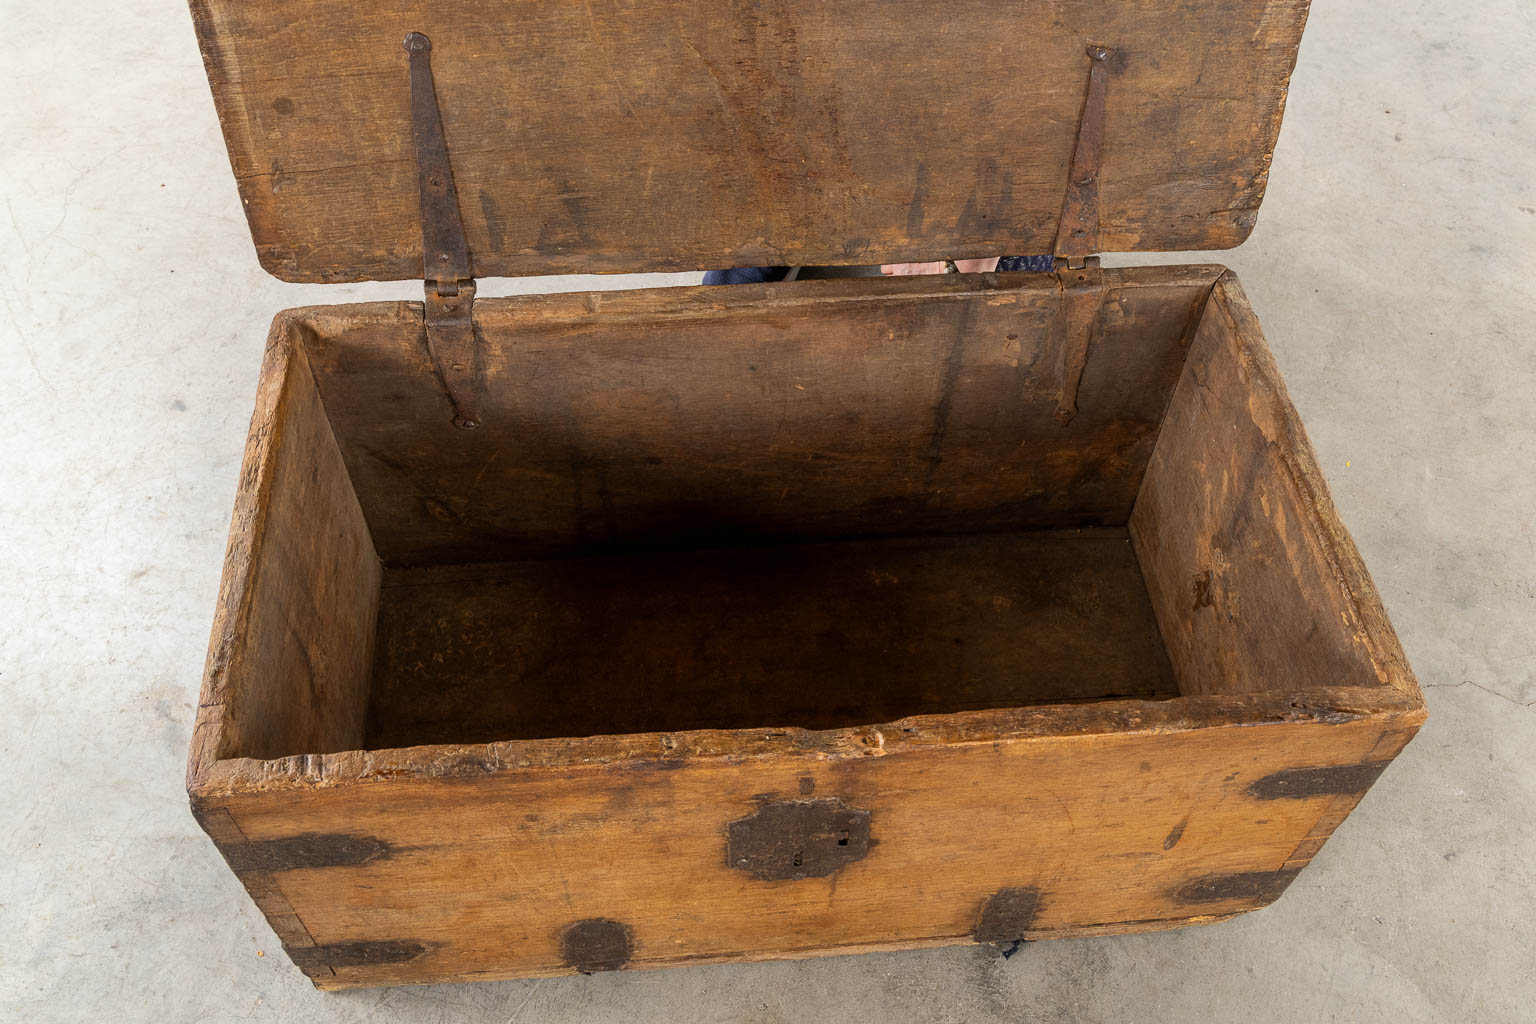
{"type": "Point", "coordinates": [617, 630]}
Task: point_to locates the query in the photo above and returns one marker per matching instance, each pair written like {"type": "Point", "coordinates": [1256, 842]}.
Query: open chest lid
{"type": "Point", "coordinates": [638, 135]}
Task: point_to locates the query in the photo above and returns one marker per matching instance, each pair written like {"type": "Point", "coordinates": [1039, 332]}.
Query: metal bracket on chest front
{"type": "Point", "coordinates": [450, 286]}
{"type": "Point", "coordinates": [797, 839]}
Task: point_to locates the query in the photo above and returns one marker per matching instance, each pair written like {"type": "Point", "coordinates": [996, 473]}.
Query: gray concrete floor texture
{"type": "Point", "coordinates": [1394, 266]}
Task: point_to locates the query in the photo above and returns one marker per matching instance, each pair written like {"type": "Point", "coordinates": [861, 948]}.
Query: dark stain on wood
{"type": "Point", "coordinates": [1175, 835]}
{"type": "Point", "coordinates": [1334, 780]}
{"type": "Point", "coordinates": [311, 850]}
{"type": "Point", "coordinates": [797, 839]}
{"type": "Point", "coordinates": [954, 362]}
{"type": "Point", "coordinates": [495, 222]}
{"type": "Point", "coordinates": [1255, 886]}
{"type": "Point", "coordinates": [1007, 915]}
{"type": "Point", "coordinates": [1203, 589]}
{"type": "Point", "coordinates": [596, 944]}
{"type": "Point", "coordinates": [915, 208]}
{"type": "Point", "coordinates": [357, 954]}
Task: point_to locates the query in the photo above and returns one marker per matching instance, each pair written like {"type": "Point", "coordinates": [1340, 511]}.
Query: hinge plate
{"type": "Point", "coordinates": [1082, 296]}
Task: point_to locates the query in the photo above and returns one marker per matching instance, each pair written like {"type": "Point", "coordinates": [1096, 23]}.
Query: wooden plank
{"type": "Point", "coordinates": [290, 658]}
{"type": "Point", "coordinates": [491, 860]}
{"type": "Point", "coordinates": [814, 636]}
{"type": "Point", "coordinates": [1256, 583]}
{"type": "Point", "coordinates": [689, 417]}
{"type": "Point", "coordinates": [642, 136]}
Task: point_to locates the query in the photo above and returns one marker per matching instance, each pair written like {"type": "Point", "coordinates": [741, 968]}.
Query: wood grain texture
{"type": "Point", "coordinates": [691, 417]}
{"type": "Point", "coordinates": [812, 635]}
{"type": "Point", "coordinates": [497, 850]}
{"type": "Point", "coordinates": [292, 648]}
{"type": "Point", "coordinates": [1256, 583]}
{"type": "Point", "coordinates": [641, 136]}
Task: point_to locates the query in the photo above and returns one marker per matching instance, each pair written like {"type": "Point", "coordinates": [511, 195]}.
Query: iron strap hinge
{"type": "Point", "coordinates": [1077, 232]}
{"type": "Point", "coordinates": [1082, 297]}
{"type": "Point", "coordinates": [450, 287]}
{"type": "Point", "coordinates": [1078, 240]}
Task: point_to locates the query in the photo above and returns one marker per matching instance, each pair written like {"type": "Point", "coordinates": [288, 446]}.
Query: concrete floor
{"type": "Point", "coordinates": [1394, 266]}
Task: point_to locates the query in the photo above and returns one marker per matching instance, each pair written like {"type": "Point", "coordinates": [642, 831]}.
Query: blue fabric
{"type": "Point", "coordinates": [1038, 264]}
{"type": "Point", "coordinates": [745, 275]}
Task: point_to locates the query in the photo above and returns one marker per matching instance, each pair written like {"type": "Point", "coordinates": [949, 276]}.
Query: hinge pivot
{"type": "Point", "coordinates": [450, 286]}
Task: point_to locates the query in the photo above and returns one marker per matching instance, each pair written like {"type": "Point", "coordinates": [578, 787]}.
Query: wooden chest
{"type": "Point", "coordinates": [617, 630]}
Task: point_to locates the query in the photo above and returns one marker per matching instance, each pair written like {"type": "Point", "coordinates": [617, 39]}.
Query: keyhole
{"type": "Point", "coordinates": [842, 839]}
{"type": "Point", "coordinates": [799, 858]}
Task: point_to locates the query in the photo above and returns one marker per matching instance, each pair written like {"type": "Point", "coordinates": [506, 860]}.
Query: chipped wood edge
{"type": "Point", "coordinates": [454, 763]}
{"type": "Point", "coordinates": [210, 730]}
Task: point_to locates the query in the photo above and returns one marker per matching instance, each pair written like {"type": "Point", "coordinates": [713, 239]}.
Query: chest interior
{"type": "Point", "coordinates": [859, 502]}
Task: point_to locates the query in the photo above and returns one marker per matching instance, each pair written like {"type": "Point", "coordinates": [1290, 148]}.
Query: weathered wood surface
{"type": "Point", "coordinates": [691, 417]}
{"type": "Point", "coordinates": [811, 635]}
{"type": "Point", "coordinates": [1119, 817]}
{"type": "Point", "coordinates": [643, 136]}
{"type": "Point", "coordinates": [289, 662]}
{"type": "Point", "coordinates": [1256, 583]}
